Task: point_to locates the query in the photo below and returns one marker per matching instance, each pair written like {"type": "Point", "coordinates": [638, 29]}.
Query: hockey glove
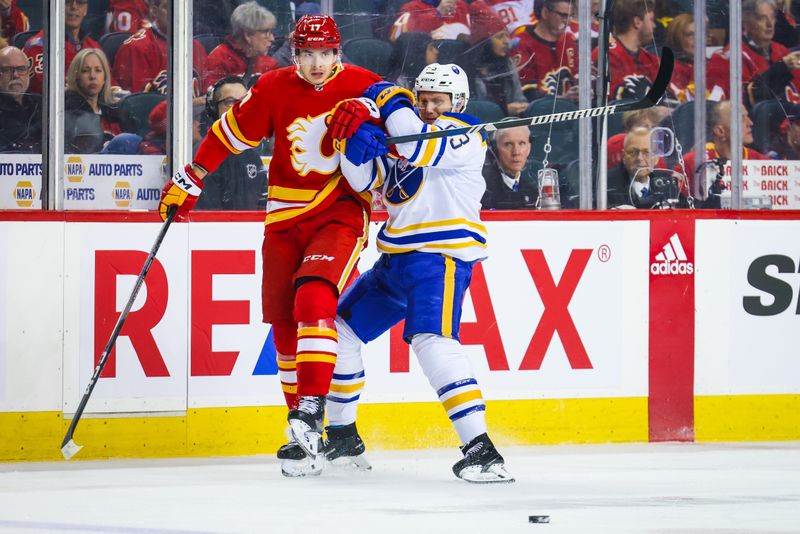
{"type": "Point", "coordinates": [181, 191]}
{"type": "Point", "coordinates": [349, 114]}
{"type": "Point", "coordinates": [389, 97]}
{"type": "Point", "coordinates": [366, 144]}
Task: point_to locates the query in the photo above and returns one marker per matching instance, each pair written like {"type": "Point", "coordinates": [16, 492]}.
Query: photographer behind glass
{"type": "Point", "coordinates": [637, 181]}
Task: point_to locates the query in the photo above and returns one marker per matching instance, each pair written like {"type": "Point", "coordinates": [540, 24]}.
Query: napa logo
{"type": "Point", "coordinates": [24, 194]}
{"type": "Point", "coordinates": [122, 194]}
{"type": "Point", "coordinates": [75, 169]}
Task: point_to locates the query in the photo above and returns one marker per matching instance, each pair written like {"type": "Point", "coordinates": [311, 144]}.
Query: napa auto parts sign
{"type": "Point", "coordinates": [536, 320]}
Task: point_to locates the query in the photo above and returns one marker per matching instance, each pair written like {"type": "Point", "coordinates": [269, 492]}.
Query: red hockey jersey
{"type": "Point", "coordinates": [127, 15]}
{"type": "Point", "coordinates": [228, 60]}
{"type": "Point", "coordinates": [753, 65]}
{"type": "Point", "coordinates": [632, 73]}
{"type": "Point", "coordinates": [13, 23]}
{"type": "Point", "coordinates": [34, 49]}
{"type": "Point", "coordinates": [419, 16]}
{"type": "Point", "coordinates": [513, 13]}
{"type": "Point", "coordinates": [711, 153]}
{"type": "Point", "coordinates": [546, 67]}
{"type": "Point", "coordinates": [304, 174]}
{"type": "Point", "coordinates": [141, 62]}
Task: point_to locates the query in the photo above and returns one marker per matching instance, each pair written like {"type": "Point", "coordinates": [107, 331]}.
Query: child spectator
{"type": "Point", "coordinates": [443, 19]}
{"type": "Point", "coordinates": [244, 52]}
{"type": "Point", "coordinates": [12, 19]}
{"type": "Point", "coordinates": [75, 41]}
{"type": "Point", "coordinates": [546, 56]}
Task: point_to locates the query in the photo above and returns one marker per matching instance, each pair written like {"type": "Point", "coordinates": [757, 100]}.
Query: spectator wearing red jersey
{"type": "Point", "coordinates": [141, 62]}
{"type": "Point", "coordinates": [127, 15]}
{"type": "Point", "coordinates": [718, 125]}
{"type": "Point", "coordinates": [769, 70]}
{"type": "Point", "coordinates": [572, 27]}
{"type": "Point", "coordinates": [787, 144]}
{"type": "Point", "coordinates": [680, 38]}
{"type": "Point", "coordinates": [244, 53]}
{"type": "Point", "coordinates": [632, 68]}
{"type": "Point", "coordinates": [443, 19]}
{"type": "Point", "coordinates": [546, 56]}
{"type": "Point", "coordinates": [494, 76]}
{"type": "Point", "coordinates": [12, 19]}
{"type": "Point", "coordinates": [75, 41]}
{"type": "Point", "coordinates": [513, 13]}
{"type": "Point", "coordinates": [89, 91]}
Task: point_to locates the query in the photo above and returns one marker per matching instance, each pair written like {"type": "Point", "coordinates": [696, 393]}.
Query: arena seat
{"type": "Point", "coordinates": [485, 110]}
{"type": "Point", "coordinates": [767, 118]}
{"type": "Point", "coordinates": [370, 53]}
{"type": "Point", "coordinates": [19, 39]}
{"type": "Point", "coordinates": [135, 111]}
{"type": "Point", "coordinates": [209, 41]}
{"type": "Point", "coordinates": [564, 135]}
{"type": "Point", "coordinates": [111, 42]}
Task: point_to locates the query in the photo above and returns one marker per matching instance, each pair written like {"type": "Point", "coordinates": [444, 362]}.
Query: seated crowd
{"type": "Point", "coordinates": [521, 57]}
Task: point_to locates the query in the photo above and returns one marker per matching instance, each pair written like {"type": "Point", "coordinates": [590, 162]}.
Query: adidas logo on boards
{"type": "Point", "coordinates": [672, 259]}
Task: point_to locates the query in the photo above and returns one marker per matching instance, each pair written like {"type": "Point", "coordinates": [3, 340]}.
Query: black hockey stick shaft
{"type": "Point", "coordinates": [66, 445]}
{"type": "Point", "coordinates": [652, 98]}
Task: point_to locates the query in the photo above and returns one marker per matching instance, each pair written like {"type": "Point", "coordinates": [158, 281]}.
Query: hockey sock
{"type": "Point", "coordinates": [348, 378]}
{"type": "Point", "coordinates": [285, 335]}
{"type": "Point", "coordinates": [315, 311]}
{"type": "Point", "coordinates": [450, 373]}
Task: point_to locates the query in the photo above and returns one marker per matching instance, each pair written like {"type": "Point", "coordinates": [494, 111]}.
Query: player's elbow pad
{"type": "Point", "coordinates": [389, 97]}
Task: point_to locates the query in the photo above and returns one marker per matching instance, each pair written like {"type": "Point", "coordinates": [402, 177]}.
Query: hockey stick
{"type": "Point", "coordinates": [652, 98]}
{"type": "Point", "coordinates": [68, 447]}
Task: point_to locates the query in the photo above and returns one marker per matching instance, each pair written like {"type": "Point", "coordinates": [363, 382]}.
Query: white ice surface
{"type": "Point", "coordinates": [647, 488]}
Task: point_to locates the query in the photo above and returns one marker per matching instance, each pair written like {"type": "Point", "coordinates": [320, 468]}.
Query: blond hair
{"type": "Point", "coordinates": [74, 71]}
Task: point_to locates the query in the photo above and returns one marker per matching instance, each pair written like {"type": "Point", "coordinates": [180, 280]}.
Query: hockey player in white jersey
{"type": "Point", "coordinates": [429, 244]}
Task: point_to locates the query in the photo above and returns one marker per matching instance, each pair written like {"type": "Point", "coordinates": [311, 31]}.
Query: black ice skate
{"type": "Point", "coordinates": [482, 464]}
{"type": "Point", "coordinates": [343, 447]}
{"type": "Point", "coordinates": [291, 451]}
{"type": "Point", "coordinates": [305, 422]}
{"type": "Point", "coordinates": [296, 463]}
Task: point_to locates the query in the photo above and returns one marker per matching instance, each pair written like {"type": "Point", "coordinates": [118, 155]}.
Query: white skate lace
{"type": "Point", "coordinates": [309, 405]}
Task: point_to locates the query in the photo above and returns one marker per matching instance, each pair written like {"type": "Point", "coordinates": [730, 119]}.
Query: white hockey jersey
{"type": "Point", "coordinates": [432, 192]}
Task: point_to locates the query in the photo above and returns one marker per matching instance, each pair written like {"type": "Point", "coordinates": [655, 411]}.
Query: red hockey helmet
{"type": "Point", "coordinates": [316, 31]}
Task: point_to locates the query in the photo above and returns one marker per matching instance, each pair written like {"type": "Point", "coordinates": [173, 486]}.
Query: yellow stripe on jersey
{"type": "Point", "coordinates": [317, 331]}
{"type": "Point", "coordinates": [289, 389]}
{"type": "Point", "coordinates": [389, 92]}
{"type": "Point", "coordinates": [337, 388]}
{"type": "Point", "coordinates": [234, 126]}
{"type": "Point", "coordinates": [285, 365]}
{"type": "Point", "coordinates": [217, 129]}
{"type": "Point", "coordinates": [316, 357]}
{"type": "Point", "coordinates": [449, 292]}
{"type": "Point", "coordinates": [436, 224]}
{"type": "Point", "coordinates": [455, 400]}
{"type": "Point", "coordinates": [290, 194]}
{"type": "Point", "coordinates": [431, 148]}
{"type": "Point", "coordinates": [290, 213]}
{"type": "Point", "coordinates": [448, 246]}
{"type": "Point", "coordinates": [351, 263]}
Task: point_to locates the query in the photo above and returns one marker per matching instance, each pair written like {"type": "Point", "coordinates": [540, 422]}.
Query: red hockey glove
{"type": "Point", "coordinates": [181, 191]}
{"type": "Point", "coordinates": [349, 114]}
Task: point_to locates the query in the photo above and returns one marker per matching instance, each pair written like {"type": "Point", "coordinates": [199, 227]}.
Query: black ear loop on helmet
{"type": "Point", "coordinates": [213, 92]}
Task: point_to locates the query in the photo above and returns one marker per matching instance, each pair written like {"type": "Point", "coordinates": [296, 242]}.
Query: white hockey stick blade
{"type": "Point", "coordinates": [70, 449]}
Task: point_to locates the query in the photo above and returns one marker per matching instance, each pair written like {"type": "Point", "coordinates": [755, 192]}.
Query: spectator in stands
{"type": "Point", "coordinates": [240, 182]}
{"type": "Point", "coordinates": [21, 112]}
{"type": "Point", "coordinates": [127, 15]}
{"type": "Point", "coordinates": [141, 61]}
{"type": "Point", "coordinates": [492, 73]}
{"type": "Point", "coordinates": [680, 38]}
{"type": "Point", "coordinates": [632, 68]}
{"type": "Point", "coordinates": [155, 141]}
{"type": "Point", "coordinates": [244, 52]}
{"type": "Point", "coordinates": [629, 181]}
{"type": "Point", "coordinates": [76, 40]}
{"type": "Point", "coordinates": [12, 19]}
{"type": "Point", "coordinates": [786, 32]}
{"type": "Point", "coordinates": [546, 55]}
{"type": "Point", "coordinates": [514, 13]}
{"type": "Point", "coordinates": [787, 145]}
{"type": "Point", "coordinates": [411, 52]}
{"type": "Point", "coordinates": [89, 90]}
{"type": "Point", "coordinates": [769, 70]}
{"type": "Point", "coordinates": [718, 126]}
{"type": "Point", "coordinates": [646, 118]}
{"type": "Point", "coordinates": [509, 181]}
{"type": "Point", "coordinates": [572, 27]}
{"type": "Point", "coordinates": [443, 19]}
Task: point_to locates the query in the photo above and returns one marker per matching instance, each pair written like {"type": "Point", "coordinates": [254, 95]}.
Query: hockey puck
{"type": "Point", "coordinates": [538, 519]}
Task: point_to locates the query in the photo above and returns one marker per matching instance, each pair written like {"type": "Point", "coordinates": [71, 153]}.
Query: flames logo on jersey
{"type": "Point", "coordinates": [556, 82]}
{"type": "Point", "coordinates": [312, 150]}
{"type": "Point", "coordinates": [633, 86]}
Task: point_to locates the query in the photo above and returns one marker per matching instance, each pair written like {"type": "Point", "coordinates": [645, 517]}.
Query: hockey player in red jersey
{"type": "Point", "coordinates": [141, 62]}
{"type": "Point", "coordinates": [546, 55]}
{"type": "Point", "coordinates": [632, 68]}
{"type": "Point", "coordinates": [316, 226]}
{"type": "Point", "coordinates": [75, 41]}
{"type": "Point", "coordinates": [127, 15]}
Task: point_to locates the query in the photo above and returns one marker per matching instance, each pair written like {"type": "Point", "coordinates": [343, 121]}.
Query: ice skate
{"type": "Point", "coordinates": [344, 447]}
{"type": "Point", "coordinates": [482, 464]}
{"type": "Point", "coordinates": [296, 463]}
{"type": "Point", "coordinates": [306, 423]}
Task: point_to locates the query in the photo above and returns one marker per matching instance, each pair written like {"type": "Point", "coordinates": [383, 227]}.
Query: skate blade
{"type": "Point", "coordinates": [305, 437]}
{"type": "Point", "coordinates": [494, 474]}
{"type": "Point", "coordinates": [354, 463]}
{"type": "Point", "coordinates": [307, 467]}
{"type": "Point", "coordinates": [70, 449]}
